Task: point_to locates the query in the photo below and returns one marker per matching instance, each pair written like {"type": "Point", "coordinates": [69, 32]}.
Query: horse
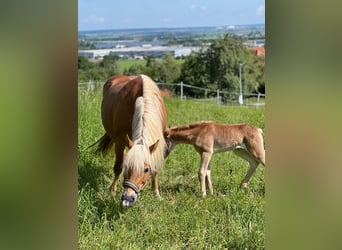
{"type": "Point", "coordinates": [209, 137]}
{"type": "Point", "coordinates": [133, 114]}
{"type": "Point", "coordinates": [166, 93]}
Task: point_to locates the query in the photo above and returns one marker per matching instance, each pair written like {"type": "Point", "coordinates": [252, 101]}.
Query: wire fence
{"type": "Point", "coordinates": [187, 91]}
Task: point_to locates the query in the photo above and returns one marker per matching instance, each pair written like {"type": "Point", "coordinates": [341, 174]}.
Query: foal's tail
{"type": "Point", "coordinates": [104, 145]}
{"type": "Point", "coordinates": [262, 146]}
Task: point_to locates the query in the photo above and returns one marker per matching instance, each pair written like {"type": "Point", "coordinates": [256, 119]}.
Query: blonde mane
{"type": "Point", "coordinates": [147, 129]}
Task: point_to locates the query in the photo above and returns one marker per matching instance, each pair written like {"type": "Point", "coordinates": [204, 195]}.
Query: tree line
{"type": "Point", "coordinates": [215, 67]}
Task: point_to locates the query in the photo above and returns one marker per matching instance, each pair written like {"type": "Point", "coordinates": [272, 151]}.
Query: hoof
{"type": "Point", "coordinates": [243, 185]}
{"type": "Point", "coordinates": [112, 190]}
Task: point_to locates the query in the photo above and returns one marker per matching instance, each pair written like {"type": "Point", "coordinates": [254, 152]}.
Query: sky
{"type": "Point", "coordinates": [130, 14]}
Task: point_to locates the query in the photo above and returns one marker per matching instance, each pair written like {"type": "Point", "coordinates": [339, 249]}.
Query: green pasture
{"type": "Point", "coordinates": [230, 219]}
{"type": "Point", "coordinates": [126, 64]}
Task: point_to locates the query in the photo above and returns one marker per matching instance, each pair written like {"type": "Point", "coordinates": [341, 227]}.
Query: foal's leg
{"type": "Point", "coordinates": [119, 155]}
{"type": "Point", "coordinates": [253, 163]}
{"type": "Point", "coordinates": [155, 185]}
{"type": "Point", "coordinates": [203, 171]}
{"type": "Point", "coordinates": [256, 149]}
{"type": "Point", "coordinates": [208, 180]}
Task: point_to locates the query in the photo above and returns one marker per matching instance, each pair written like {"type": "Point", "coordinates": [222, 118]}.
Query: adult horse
{"type": "Point", "coordinates": [132, 107]}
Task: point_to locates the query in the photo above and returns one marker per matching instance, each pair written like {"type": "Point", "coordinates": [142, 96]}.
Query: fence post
{"type": "Point", "coordinates": [90, 83]}
{"type": "Point", "coordinates": [258, 99]}
{"type": "Point", "coordinates": [218, 96]}
{"type": "Point", "coordinates": [181, 85]}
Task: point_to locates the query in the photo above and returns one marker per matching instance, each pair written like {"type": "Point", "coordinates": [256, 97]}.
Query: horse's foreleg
{"type": "Point", "coordinates": [203, 171]}
{"type": "Point", "coordinates": [155, 185]}
{"type": "Point", "coordinates": [208, 180]}
{"type": "Point", "coordinates": [119, 154]}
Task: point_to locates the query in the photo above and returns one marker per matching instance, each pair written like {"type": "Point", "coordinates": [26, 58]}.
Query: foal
{"type": "Point", "coordinates": [208, 138]}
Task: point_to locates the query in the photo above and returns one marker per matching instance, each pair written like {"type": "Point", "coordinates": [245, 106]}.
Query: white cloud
{"type": "Point", "coordinates": [192, 7]}
{"type": "Point", "coordinates": [127, 20]}
{"type": "Point", "coordinates": [167, 20]}
{"type": "Point", "coordinates": [93, 19]}
{"type": "Point", "coordinates": [260, 10]}
{"type": "Point", "coordinates": [203, 8]}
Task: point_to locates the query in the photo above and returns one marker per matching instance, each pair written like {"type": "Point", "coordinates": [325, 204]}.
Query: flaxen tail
{"type": "Point", "coordinates": [104, 145]}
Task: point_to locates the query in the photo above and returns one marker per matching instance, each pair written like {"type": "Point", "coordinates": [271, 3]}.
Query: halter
{"type": "Point", "coordinates": [132, 185]}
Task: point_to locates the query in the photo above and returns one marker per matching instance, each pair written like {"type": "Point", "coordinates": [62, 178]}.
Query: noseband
{"type": "Point", "coordinates": [132, 185]}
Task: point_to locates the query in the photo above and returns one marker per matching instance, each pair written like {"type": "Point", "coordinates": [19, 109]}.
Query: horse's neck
{"type": "Point", "coordinates": [137, 127]}
{"type": "Point", "coordinates": [185, 135]}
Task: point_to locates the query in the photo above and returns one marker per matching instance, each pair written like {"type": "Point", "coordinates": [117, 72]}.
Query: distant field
{"type": "Point", "coordinates": [230, 219]}
{"type": "Point", "coordinates": [125, 64]}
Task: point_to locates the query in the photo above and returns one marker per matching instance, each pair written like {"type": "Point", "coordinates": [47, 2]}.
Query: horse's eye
{"type": "Point", "coordinates": [145, 170]}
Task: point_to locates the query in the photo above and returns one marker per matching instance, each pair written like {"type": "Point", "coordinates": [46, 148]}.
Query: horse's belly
{"type": "Point", "coordinates": [221, 148]}
{"type": "Point", "coordinates": [117, 122]}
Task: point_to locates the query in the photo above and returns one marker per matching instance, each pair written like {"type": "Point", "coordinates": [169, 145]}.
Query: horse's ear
{"type": "Point", "coordinates": [153, 146]}
{"type": "Point", "coordinates": [166, 133]}
{"type": "Point", "coordinates": [130, 143]}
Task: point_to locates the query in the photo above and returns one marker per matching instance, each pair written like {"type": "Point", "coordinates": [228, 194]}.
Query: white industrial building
{"type": "Point", "coordinates": [144, 51]}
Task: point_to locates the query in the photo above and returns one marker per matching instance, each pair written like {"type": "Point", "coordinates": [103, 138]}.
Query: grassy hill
{"type": "Point", "coordinates": [230, 218]}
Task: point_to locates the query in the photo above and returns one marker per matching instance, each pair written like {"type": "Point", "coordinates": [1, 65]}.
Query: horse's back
{"type": "Point", "coordinates": [117, 109]}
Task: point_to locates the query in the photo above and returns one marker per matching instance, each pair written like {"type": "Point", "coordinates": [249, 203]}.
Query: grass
{"type": "Point", "coordinates": [230, 219]}
{"type": "Point", "coordinates": [126, 64]}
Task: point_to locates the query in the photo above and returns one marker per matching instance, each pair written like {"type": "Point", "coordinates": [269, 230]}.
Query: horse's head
{"type": "Point", "coordinates": [170, 144]}
{"type": "Point", "coordinates": [139, 169]}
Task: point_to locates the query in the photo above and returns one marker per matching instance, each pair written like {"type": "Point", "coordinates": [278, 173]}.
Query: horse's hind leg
{"type": "Point", "coordinates": [251, 170]}
{"type": "Point", "coordinates": [119, 155]}
{"type": "Point", "coordinates": [253, 163]}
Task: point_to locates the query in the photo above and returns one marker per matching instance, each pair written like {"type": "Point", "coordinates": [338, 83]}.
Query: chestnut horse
{"type": "Point", "coordinates": [166, 93]}
{"type": "Point", "coordinates": [133, 108]}
{"type": "Point", "coordinates": [208, 138]}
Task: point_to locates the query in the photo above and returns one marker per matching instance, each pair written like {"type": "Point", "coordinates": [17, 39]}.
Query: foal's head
{"type": "Point", "coordinates": [170, 144]}
{"type": "Point", "coordinates": [139, 168]}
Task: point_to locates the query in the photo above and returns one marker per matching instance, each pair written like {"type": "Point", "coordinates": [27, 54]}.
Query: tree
{"type": "Point", "coordinates": [135, 69]}
{"type": "Point", "coordinates": [218, 66]}
{"type": "Point", "coordinates": [223, 59]}
{"type": "Point", "coordinates": [110, 62]}
{"type": "Point", "coordinates": [168, 69]}
{"type": "Point", "coordinates": [194, 72]}
{"type": "Point", "coordinates": [260, 75]}
{"type": "Point", "coordinates": [84, 64]}
{"type": "Point", "coordinates": [152, 67]}
{"type": "Point", "coordinates": [165, 70]}
{"type": "Point", "coordinates": [88, 71]}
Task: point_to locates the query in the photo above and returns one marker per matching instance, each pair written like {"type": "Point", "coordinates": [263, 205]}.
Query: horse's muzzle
{"type": "Point", "coordinates": [131, 193]}
{"type": "Point", "coordinates": [129, 199]}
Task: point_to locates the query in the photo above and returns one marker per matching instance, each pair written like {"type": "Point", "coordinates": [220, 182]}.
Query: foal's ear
{"type": "Point", "coordinates": [153, 146]}
{"type": "Point", "coordinates": [166, 133]}
{"type": "Point", "coordinates": [130, 143]}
